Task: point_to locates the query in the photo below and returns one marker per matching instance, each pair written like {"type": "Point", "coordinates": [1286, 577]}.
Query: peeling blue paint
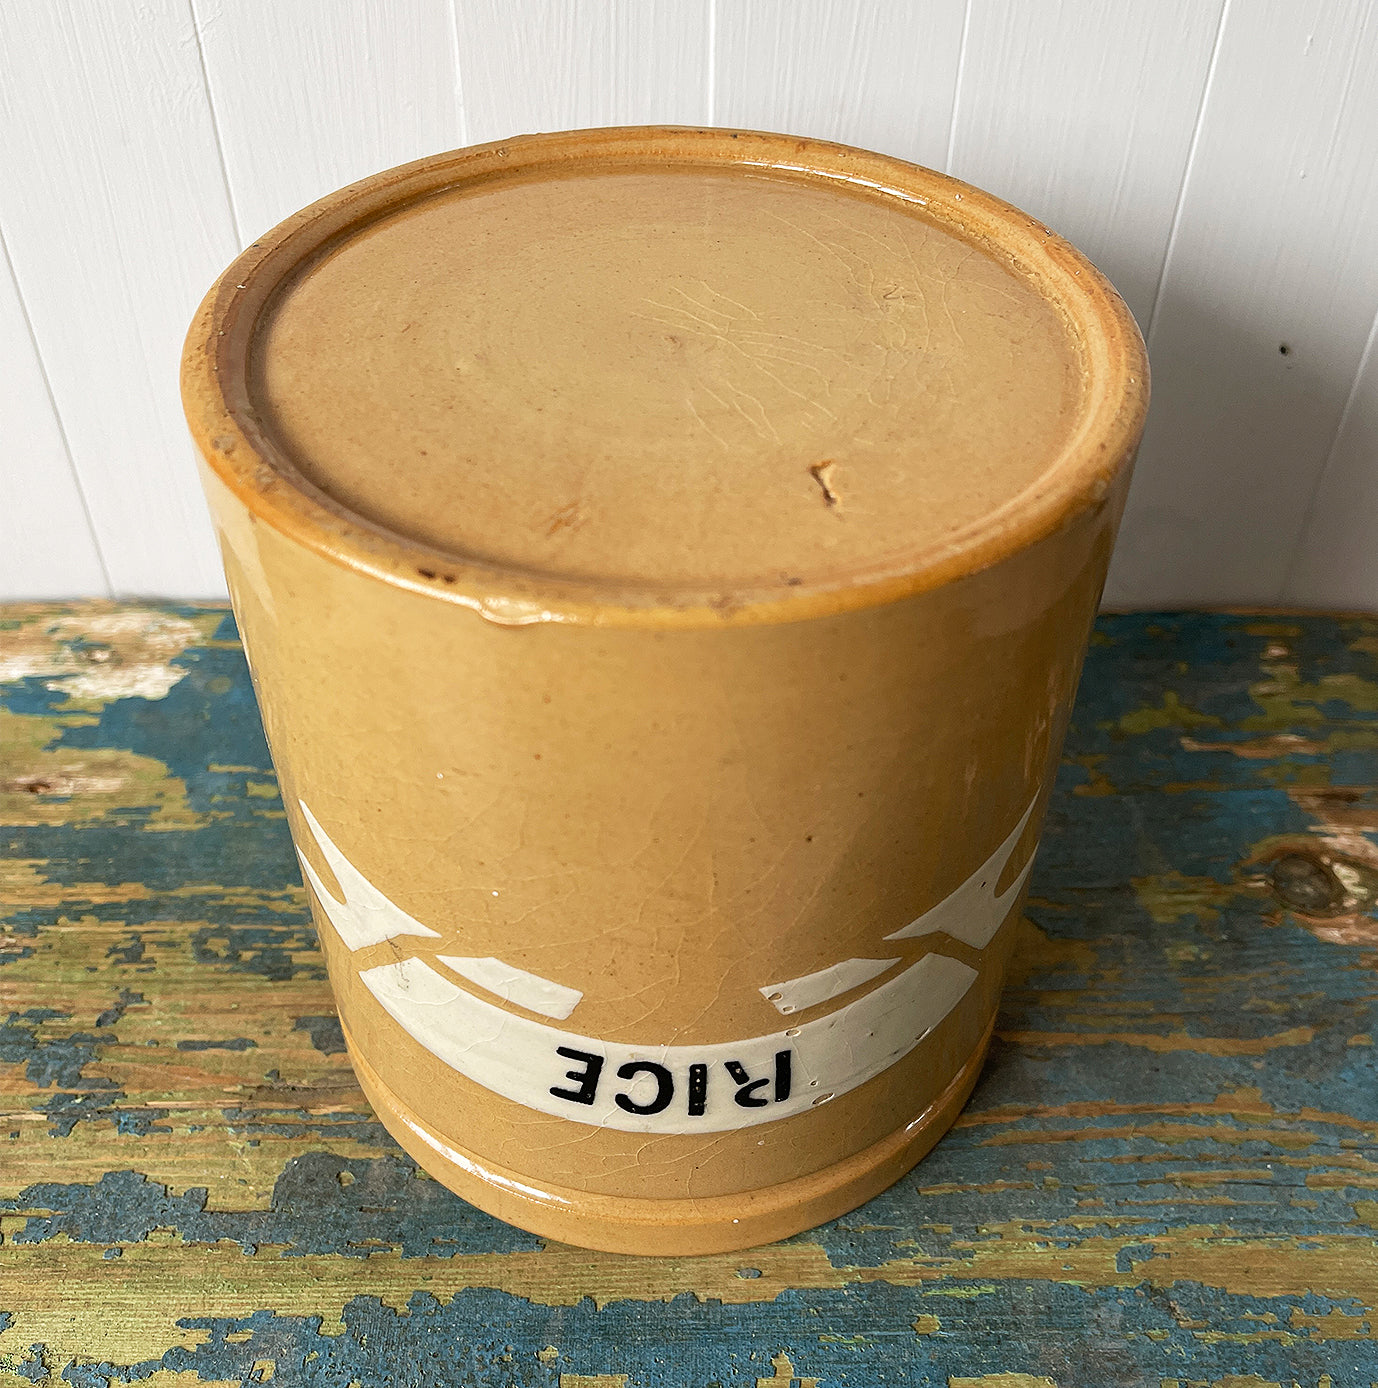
{"type": "Point", "coordinates": [488, 1339]}
{"type": "Point", "coordinates": [321, 1203]}
{"type": "Point", "coordinates": [325, 1033]}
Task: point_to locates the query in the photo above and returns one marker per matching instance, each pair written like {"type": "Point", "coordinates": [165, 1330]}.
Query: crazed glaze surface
{"type": "Point", "coordinates": [668, 908]}
{"type": "Point", "coordinates": [670, 375]}
{"type": "Point", "coordinates": [665, 824]}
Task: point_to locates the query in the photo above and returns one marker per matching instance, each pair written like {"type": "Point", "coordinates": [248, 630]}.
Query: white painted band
{"type": "Point", "coordinates": [973, 913]}
{"type": "Point", "coordinates": [512, 984]}
{"type": "Point", "coordinates": [668, 1089]}
{"type": "Point", "coordinates": [740, 1084]}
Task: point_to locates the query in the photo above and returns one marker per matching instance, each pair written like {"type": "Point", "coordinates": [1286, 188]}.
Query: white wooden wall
{"type": "Point", "coordinates": [1218, 158]}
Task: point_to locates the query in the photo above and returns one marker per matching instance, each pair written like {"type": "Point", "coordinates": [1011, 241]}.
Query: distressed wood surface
{"type": "Point", "coordinates": [1168, 1174]}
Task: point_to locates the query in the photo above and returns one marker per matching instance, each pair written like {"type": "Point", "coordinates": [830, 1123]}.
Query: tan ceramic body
{"type": "Point", "coordinates": [665, 805]}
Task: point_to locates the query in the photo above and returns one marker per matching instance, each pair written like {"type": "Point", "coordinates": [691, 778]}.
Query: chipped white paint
{"type": "Point", "coordinates": [512, 984]}
{"type": "Point", "coordinates": [797, 994]}
{"type": "Point", "coordinates": [582, 1078]}
{"type": "Point", "coordinates": [973, 913]}
{"type": "Point", "coordinates": [103, 656]}
{"type": "Point", "coordinates": [147, 682]}
{"type": "Point", "coordinates": [365, 916]}
{"type": "Point", "coordinates": [57, 785]}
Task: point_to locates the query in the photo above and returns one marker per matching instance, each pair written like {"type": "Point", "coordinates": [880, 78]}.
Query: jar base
{"type": "Point", "coordinates": [675, 1227]}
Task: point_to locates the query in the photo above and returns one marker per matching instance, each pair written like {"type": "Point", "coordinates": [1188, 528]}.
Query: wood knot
{"type": "Point", "coordinates": [1306, 883]}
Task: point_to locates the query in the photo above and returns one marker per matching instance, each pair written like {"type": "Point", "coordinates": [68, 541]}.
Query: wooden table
{"type": "Point", "coordinates": [1168, 1173]}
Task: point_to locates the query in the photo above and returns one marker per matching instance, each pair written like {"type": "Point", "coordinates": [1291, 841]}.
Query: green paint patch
{"type": "Point", "coordinates": [1172, 896]}
{"type": "Point", "coordinates": [1171, 713]}
{"type": "Point", "coordinates": [1285, 700]}
{"type": "Point", "coordinates": [1336, 1324]}
{"type": "Point", "coordinates": [1003, 1381]}
{"type": "Point", "coordinates": [1366, 1212]}
{"type": "Point", "coordinates": [43, 782]}
{"type": "Point", "coordinates": [1096, 783]}
{"type": "Point", "coordinates": [1245, 1337]}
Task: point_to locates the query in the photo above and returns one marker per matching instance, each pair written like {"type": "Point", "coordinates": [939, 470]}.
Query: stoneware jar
{"type": "Point", "coordinates": [665, 558]}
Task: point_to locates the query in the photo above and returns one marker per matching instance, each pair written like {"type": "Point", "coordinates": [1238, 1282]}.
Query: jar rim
{"type": "Point", "coordinates": [239, 448]}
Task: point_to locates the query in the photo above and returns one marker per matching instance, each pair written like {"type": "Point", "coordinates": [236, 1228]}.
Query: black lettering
{"type": "Point", "coordinates": [665, 1086]}
{"type": "Point", "coordinates": [783, 1075]}
{"type": "Point", "coordinates": [586, 1079]}
{"type": "Point", "coordinates": [698, 1090]}
{"type": "Point", "coordinates": [747, 1087]}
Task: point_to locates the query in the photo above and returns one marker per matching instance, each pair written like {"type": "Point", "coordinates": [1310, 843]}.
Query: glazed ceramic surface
{"type": "Point", "coordinates": [665, 559]}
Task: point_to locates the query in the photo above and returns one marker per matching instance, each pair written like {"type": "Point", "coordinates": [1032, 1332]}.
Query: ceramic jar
{"type": "Point", "coordinates": [665, 560]}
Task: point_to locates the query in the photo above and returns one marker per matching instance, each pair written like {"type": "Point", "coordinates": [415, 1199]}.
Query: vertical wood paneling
{"type": "Point", "coordinates": [568, 64]}
{"type": "Point", "coordinates": [881, 76]}
{"type": "Point", "coordinates": [311, 95]}
{"type": "Point", "coordinates": [1336, 563]}
{"type": "Point", "coordinates": [47, 548]}
{"type": "Point", "coordinates": [1082, 114]}
{"type": "Point", "coordinates": [139, 141]}
{"type": "Point", "coordinates": [1269, 291]}
{"type": "Point", "coordinates": [113, 206]}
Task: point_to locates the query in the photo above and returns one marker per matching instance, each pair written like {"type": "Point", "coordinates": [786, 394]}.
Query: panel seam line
{"type": "Point", "coordinates": [460, 110]}
{"type": "Point", "coordinates": [215, 125]}
{"type": "Point", "coordinates": [57, 415]}
{"type": "Point", "coordinates": [1323, 471]}
{"type": "Point", "coordinates": [711, 69]}
{"type": "Point", "coordinates": [957, 89]}
{"type": "Point", "coordinates": [1168, 250]}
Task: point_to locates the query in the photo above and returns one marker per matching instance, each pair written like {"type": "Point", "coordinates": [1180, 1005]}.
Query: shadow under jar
{"type": "Point", "coordinates": [665, 558]}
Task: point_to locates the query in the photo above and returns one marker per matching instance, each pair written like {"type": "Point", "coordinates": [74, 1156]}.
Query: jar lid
{"type": "Point", "coordinates": [683, 375]}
